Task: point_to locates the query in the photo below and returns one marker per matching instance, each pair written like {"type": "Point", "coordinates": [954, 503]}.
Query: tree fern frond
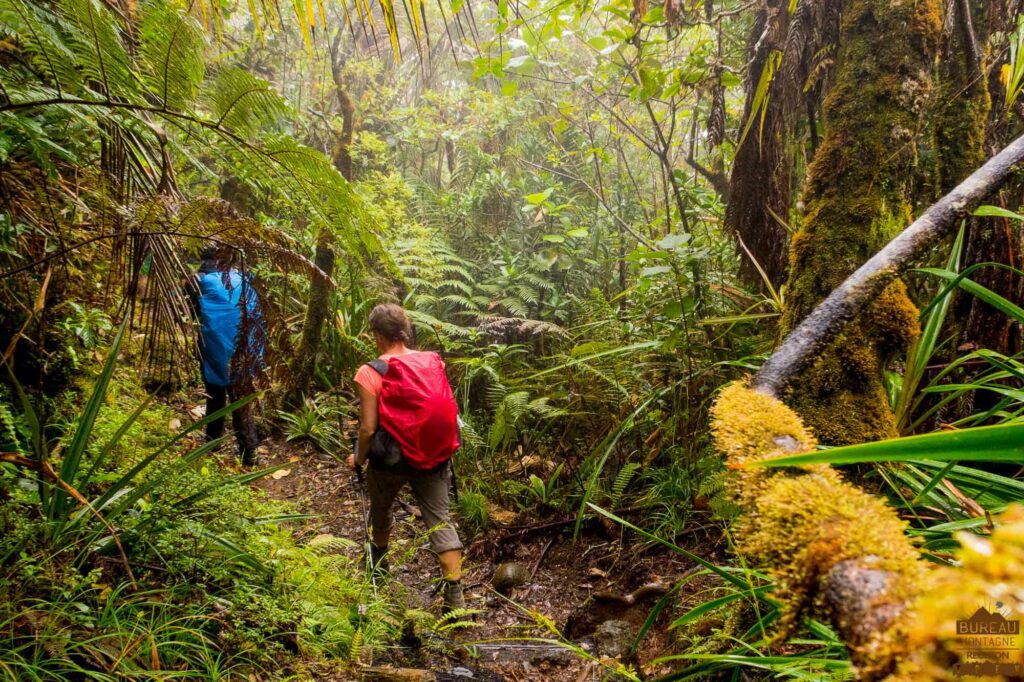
{"type": "Point", "coordinates": [170, 53]}
{"type": "Point", "coordinates": [470, 436]}
{"type": "Point", "coordinates": [450, 268]}
{"type": "Point", "coordinates": [464, 302]}
{"type": "Point", "coordinates": [539, 281]}
{"type": "Point", "coordinates": [464, 287]}
{"type": "Point", "coordinates": [101, 56]}
{"type": "Point", "coordinates": [495, 394]}
{"type": "Point", "coordinates": [241, 102]}
{"type": "Point", "coordinates": [514, 306]}
{"type": "Point", "coordinates": [541, 408]}
{"type": "Point", "coordinates": [432, 323]}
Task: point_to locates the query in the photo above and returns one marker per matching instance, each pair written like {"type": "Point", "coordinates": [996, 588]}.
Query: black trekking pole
{"type": "Point", "coordinates": [361, 485]}
{"type": "Point", "coordinates": [355, 459]}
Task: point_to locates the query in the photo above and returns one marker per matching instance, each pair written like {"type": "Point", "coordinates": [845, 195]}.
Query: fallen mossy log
{"type": "Point", "coordinates": [831, 547]}
{"type": "Point", "coordinates": [842, 555]}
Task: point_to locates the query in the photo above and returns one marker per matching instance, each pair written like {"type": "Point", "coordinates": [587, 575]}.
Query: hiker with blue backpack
{"type": "Point", "coordinates": [227, 306]}
{"type": "Point", "coordinates": [408, 432]}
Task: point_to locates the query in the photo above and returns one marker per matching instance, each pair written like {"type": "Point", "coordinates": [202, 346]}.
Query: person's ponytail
{"type": "Point", "coordinates": [390, 321]}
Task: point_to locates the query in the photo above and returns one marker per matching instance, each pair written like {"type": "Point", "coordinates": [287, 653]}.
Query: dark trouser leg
{"type": "Point", "coordinates": [244, 422]}
{"type": "Point", "coordinates": [216, 399]}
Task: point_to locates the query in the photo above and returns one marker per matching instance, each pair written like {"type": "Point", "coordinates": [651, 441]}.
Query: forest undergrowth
{"type": "Point", "coordinates": [605, 219]}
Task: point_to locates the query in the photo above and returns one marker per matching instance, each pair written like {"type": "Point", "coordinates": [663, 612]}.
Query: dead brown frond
{"type": "Point", "coordinates": [513, 329]}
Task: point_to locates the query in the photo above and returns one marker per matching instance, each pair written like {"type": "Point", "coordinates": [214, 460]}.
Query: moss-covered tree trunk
{"type": "Point", "coordinates": [857, 199]}
{"type": "Point", "coordinates": [318, 306]}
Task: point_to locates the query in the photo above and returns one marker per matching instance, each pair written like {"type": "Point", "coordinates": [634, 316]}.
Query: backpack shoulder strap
{"type": "Point", "coordinates": [379, 366]}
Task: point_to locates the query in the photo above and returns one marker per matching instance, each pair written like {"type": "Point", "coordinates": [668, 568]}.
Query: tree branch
{"type": "Point", "coordinates": [864, 285]}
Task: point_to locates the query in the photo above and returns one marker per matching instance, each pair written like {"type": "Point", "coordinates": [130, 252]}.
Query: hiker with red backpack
{"type": "Point", "coordinates": [408, 431]}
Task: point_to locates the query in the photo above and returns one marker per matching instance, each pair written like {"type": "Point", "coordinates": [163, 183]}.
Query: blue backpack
{"type": "Point", "coordinates": [220, 319]}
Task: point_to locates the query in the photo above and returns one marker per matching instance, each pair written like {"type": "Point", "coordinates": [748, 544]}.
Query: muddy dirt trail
{"type": "Point", "coordinates": [583, 587]}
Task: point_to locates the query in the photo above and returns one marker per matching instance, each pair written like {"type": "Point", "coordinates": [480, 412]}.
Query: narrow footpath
{"type": "Point", "coordinates": [597, 595]}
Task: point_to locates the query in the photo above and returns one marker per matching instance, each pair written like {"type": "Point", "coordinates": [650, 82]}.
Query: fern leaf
{"type": "Point", "coordinates": [170, 54]}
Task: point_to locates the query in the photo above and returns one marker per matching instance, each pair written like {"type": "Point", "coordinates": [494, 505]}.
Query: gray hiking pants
{"type": "Point", "coordinates": [431, 493]}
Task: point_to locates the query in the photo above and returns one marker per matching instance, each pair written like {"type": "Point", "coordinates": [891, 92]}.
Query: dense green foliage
{"type": "Point", "coordinates": [544, 186]}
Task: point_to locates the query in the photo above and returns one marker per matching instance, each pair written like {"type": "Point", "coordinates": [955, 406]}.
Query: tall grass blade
{"type": "Point", "coordinates": [979, 291]}
{"type": "Point", "coordinates": [923, 348]}
{"type": "Point", "coordinates": [1001, 443]}
{"type": "Point", "coordinates": [72, 459]}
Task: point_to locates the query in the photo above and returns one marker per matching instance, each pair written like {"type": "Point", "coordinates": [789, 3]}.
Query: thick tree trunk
{"type": "Point", "coordinates": [786, 47]}
{"type": "Point", "coordinates": [857, 199]}
{"type": "Point", "coordinates": [992, 240]}
{"type": "Point", "coordinates": [760, 186]}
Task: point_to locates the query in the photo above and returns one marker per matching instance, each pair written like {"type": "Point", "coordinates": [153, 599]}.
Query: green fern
{"type": "Point", "coordinates": [713, 487]}
{"type": "Point", "coordinates": [355, 646]}
{"type": "Point", "coordinates": [171, 60]}
{"type": "Point", "coordinates": [323, 545]}
{"type": "Point", "coordinates": [621, 482]}
{"type": "Point", "coordinates": [13, 430]}
{"type": "Point", "coordinates": [456, 619]}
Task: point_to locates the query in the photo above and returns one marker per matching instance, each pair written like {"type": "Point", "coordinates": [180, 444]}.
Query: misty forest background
{"type": "Point", "coordinates": [600, 214]}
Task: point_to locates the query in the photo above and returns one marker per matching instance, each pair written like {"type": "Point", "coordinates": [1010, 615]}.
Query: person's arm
{"type": "Point", "coordinates": [368, 421]}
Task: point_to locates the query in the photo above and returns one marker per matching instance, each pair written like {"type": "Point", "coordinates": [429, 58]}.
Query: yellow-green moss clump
{"type": "Point", "coordinates": [858, 198]}
{"type": "Point", "coordinates": [800, 523]}
{"type": "Point", "coordinates": [991, 576]}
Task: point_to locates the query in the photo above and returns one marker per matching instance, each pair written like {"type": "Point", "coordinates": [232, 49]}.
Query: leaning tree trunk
{"type": "Point", "coordinates": [318, 308]}
{"type": "Point", "coordinates": [857, 199]}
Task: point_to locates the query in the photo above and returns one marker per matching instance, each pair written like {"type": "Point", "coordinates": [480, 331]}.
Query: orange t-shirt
{"type": "Point", "coordinates": [368, 378]}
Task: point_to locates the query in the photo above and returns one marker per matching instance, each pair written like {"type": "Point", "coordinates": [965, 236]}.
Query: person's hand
{"type": "Point", "coordinates": [351, 461]}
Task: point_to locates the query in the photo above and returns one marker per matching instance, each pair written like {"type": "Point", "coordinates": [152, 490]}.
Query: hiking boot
{"type": "Point", "coordinates": [451, 591]}
{"type": "Point", "coordinates": [248, 457]}
{"type": "Point", "coordinates": [378, 561]}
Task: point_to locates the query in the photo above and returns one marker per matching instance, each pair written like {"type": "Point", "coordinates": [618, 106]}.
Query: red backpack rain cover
{"type": "Point", "coordinates": [417, 407]}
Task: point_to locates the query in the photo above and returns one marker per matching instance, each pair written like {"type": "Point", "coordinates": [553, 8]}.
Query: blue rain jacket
{"type": "Point", "coordinates": [220, 317]}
